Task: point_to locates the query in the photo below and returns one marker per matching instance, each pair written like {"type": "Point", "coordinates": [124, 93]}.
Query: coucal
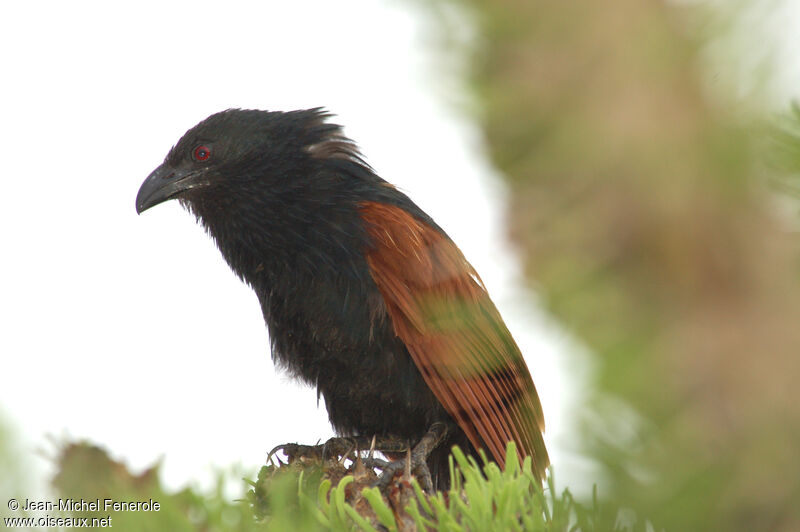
{"type": "Point", "coordinates": [364, 296]}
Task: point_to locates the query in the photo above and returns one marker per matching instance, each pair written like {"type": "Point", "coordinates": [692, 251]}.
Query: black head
{"type": "Point", "coordinates": [238, 149]}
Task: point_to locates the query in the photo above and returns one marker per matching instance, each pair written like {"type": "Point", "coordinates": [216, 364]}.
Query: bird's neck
{"type": "Point", "coordinates": [274, 238]}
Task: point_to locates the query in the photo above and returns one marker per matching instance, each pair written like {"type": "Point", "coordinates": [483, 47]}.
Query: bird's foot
{"type": "Point", "coordinates": [339, 449]}
{"type": "Point", "coordinates": [414, 462]}
{"type": "Point", "coordinates": [333, 448]}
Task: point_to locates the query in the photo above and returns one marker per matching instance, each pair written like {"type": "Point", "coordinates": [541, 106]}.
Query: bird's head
{"type": "Point", "coordinates": [237, 147]}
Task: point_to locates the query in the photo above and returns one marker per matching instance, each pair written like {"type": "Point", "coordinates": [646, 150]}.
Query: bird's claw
{"type": "Point", "coordinates": [415, 460]}
{"type": "Point", "coordinates": [339, 448]}
{"type": "Point", "coordinates": [407, 465]}
{"type": "Point", "coordinates": [333, 448]}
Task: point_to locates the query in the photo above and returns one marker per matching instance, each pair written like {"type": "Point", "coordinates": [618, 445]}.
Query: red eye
{"type": "Point", "coordinates": [201, 153]}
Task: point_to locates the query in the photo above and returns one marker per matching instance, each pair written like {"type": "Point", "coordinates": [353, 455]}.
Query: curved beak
{"type": "Point", "coordinates": [165, 183]}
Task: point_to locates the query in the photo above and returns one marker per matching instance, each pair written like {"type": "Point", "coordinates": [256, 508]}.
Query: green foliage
{"type": "Point", "coordinates": [12, 480]}
{"type": "Point", "coordinates": [784, 154]}
{"type": "Point", "coordinates": [481, 498]}
{"type": "Point", "coordinates": [308, 497]}
{"type": "Point", "coordinates": [86, 472]}
{"type": "Point", "coordinates": [489, 498]}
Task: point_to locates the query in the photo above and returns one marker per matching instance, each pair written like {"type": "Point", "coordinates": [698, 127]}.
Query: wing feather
{"type": "Point", "coordinates": [439, 307]}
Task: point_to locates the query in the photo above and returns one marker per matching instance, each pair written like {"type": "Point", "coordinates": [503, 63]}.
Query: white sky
{"type": "Point", "coordinates": [131, 331]}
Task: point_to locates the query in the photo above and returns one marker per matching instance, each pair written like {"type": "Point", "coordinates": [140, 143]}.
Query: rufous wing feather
{"type": "Point", "coordinates": [441, 311]}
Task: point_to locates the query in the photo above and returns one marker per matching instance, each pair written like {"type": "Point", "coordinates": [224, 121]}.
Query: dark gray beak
{"type": "Point", "coordinates": [165, 183]}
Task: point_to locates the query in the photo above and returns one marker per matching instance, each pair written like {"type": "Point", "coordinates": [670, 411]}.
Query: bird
{"type": "Point", "coordinates": [364, 296]}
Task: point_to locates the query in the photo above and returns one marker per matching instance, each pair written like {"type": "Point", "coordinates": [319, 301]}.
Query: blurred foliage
{"type": "Point", "coordinates": [86, 472]}
{"type": "Point", "coordinates": [309, 496]}
{"type": "Point", "coordinates": [13, 483]}
{"type": "Point", "coordinates": [640, 205]}
{"type": "Point", "coordinates": [784, 148]}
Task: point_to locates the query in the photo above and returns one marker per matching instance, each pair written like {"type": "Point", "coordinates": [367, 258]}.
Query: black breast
{"type": "Point", "coordinates": [331, 330]}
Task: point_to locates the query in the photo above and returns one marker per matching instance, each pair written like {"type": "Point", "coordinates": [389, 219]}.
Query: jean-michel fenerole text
{"type": "Point", "coordinates": [92, 505]}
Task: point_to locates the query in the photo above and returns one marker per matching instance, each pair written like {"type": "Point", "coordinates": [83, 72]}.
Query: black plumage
{"type": "Point", "coordinates": [364, 296]}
